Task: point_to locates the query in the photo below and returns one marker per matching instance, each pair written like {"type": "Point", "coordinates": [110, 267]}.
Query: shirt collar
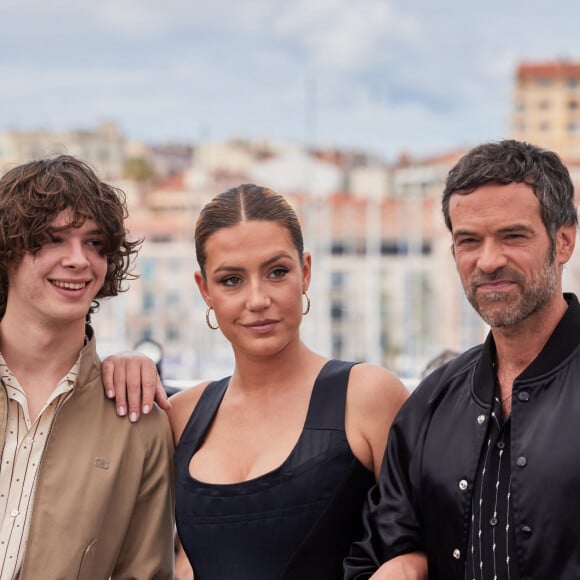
{"type": "Point", "coordinates": [561, 344]}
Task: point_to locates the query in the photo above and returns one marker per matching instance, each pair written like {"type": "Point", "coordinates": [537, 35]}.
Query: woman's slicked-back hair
{"type": "Point", "coordinates": [32, 195]}
{"type": "Point", "coordinates": [247, 202]}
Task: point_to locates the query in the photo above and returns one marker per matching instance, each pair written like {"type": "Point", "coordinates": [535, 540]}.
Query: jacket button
{"type": "Point", "coordinates": [521, 461]}
{"type": "Point", "coordinates": [481, 419]}
{"type": "Point", "coordinates": [457, 553]}
{"type": "Point", "coordinates": [463, 485]}
{"type": "Point", "coordinates": [524, 396]}
{"type": "Point", "coordinates": [526, 530]}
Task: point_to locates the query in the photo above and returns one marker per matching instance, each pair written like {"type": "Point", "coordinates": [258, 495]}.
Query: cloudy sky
{"type": "Point", "coordinates": [386, 76]}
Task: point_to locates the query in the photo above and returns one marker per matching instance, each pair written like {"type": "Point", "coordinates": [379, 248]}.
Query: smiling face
{"type": "Point", "coordinates": [254, 281]}
{"type": "Point", "coordinates": [502, 252]}
{"type": "Point", "coordinates": [57, 284]}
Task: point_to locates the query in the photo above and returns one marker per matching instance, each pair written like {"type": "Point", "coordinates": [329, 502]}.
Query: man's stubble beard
{"type": "Point", "coordinates": [500, 309]}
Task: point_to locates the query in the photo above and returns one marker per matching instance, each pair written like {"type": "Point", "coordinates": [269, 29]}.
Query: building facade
{"type": "Point", "coordinates": [547, 106]}
{"type": "Point", "coordinates": [384, 287]}
{"type": "Point", "coordinates": [102, 147]}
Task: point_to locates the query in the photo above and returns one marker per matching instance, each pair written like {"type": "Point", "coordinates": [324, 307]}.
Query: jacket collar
{"type": "Point", "coordinates": [90, 365]}
{"type": "Point", "coordinates": [563, 341]}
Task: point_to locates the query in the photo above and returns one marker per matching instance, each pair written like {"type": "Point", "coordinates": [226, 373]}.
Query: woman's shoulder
{"type": "Point", "coordinates": [183, 404]}
{"type": "Point", "coordinates": [374, 397]}
{"type": "Point", "coordinates": [374, 381]}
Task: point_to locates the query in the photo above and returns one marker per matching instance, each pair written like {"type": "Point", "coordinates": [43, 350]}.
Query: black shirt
{"type": "Point", "coordinates": [491, 549]}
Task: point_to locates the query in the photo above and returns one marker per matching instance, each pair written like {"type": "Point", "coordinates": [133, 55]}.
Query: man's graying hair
{"type": "Point", "coordinates": [511, 161]}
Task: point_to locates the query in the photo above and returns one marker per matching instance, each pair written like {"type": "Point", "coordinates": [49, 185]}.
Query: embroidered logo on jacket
{"type": "Point", "coordinates": [102, 463]}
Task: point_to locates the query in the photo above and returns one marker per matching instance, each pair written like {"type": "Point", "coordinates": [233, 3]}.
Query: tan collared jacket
{"type": "Point", "coordinates": [104, 497]}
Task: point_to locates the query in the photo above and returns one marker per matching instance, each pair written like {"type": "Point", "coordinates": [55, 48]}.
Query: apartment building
{"type": "Point", "coordinates": [547, 106]}
{"type": "Point", "coordinates": [102, 147]}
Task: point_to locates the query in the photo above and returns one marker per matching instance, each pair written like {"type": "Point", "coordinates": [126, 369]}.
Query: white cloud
{"type": "Point", "coordinates": [341, 34]}
{"type": "Point", "coordinates": [382, 74]}
{"type": "Point", "coordinates": [133, 17]}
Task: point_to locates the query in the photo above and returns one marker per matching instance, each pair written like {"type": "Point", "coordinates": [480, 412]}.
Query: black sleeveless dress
{"type": "Point", "coordinates": [294, 523]}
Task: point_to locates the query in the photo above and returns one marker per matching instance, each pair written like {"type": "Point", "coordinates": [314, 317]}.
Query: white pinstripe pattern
{"type": "Point", "coordinates": [24, 445]}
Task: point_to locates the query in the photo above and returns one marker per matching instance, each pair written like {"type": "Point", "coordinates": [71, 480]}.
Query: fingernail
{"type": "Point", "coordinates": [146, 409]}
{"type": "Point", "coordinates": [110, 394]}
{"type": "Point", "coordinates": [122, 411]}
{"type": "Point", "coordinates": [133, 417]}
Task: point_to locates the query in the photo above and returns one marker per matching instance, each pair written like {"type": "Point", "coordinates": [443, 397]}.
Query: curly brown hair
{"type": "Point", "coordinates": [32, 195]}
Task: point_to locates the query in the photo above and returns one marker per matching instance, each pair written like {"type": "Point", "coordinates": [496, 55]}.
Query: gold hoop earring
{"type": "Point", "coordinates": [307, 310]}
{"type": "Point", "coordinates": [207, 320]}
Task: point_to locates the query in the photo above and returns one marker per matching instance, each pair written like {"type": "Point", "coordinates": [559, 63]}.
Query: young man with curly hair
{"type": "Point", "coordinates": [84, 494]}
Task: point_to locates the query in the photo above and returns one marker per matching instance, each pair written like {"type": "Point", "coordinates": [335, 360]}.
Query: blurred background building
{"type": "Point", "coordinates": [547, 106]}
{"type": "Point", "coordinates": [384, 285]}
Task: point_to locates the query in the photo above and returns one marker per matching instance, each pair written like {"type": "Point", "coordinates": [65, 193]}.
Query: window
{"type": "Point", "coordinates": [337, 279]}
{"type": "Point", "coordinates": [173, 333]}
{"type": "Point", "coordinates": [338, 248]}
{"type": "Point", "coordinates": [337, 346]}
{"type": "Point", "coordinates": [336, 311]}
{"type": "Point", "coordinates": [172, 300]}
{"type": "Point", "coordinates": [148, 269]}
{"type": "Point", "coordinates": [148, 302]}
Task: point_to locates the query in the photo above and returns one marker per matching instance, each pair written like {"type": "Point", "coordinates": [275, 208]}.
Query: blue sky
{"type": "Point", "coordinates": [422, 76]}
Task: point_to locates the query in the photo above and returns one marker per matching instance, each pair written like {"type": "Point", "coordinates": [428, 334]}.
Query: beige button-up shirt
{"type": "Point", "coordinates": [21, 457]}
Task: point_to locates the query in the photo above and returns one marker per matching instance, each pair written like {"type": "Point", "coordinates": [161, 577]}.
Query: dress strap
{"type": "Point", "coordinates": [328, 399]}
{"type": "Point", "coordinates": [203, 414]}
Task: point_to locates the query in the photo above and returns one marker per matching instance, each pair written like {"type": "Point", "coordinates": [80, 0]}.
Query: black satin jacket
{"type": "Point", "coordinates": [423, 499]}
